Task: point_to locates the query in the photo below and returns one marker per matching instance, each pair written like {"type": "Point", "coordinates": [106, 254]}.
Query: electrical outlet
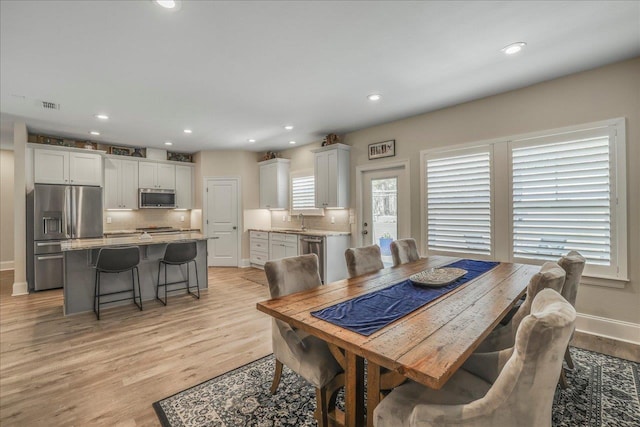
{"type": "Point", "coordinates": [333, 220]}
{"type": "Point", "coordinates": [284, 218]}
{"type": "Point", "coordinates": [108, 220]}
{"type": "Point", "coordinates": [181, 218]}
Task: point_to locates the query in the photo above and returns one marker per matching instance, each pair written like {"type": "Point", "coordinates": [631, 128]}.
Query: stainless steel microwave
{"type": "Point", "coordinates": [157, 199]}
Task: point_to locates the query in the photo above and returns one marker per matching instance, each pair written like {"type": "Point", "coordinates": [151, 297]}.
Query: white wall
{"type": "Point", "coordinates": [6, 209]}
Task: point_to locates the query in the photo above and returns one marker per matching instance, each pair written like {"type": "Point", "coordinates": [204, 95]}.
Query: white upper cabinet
{"type": "Point", "coordinates": [184, 187]}
{"type": "Point", "coordinates": [67, 167]}
{"type": "Point", "coordinates": [120, 184]}
{"type": "Point", "coordinates": [331, 169]}
{"type": "Point", "coordinates": [157, 175]}
{"type": "Point", "coordinates": [274, 184]}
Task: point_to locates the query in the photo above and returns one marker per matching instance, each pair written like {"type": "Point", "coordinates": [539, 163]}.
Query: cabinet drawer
{"type": "Point", "coordinates": [259, 235]}
{"type": "Point", "coordinates": [259, 245]}
{"type": "Point", "coordinates": [281, 237]}
{"type": "Point", "coordinates": [259, 258]}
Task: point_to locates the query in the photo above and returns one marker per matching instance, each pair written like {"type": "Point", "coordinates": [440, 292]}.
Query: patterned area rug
{"type": "Point", "coordinates": [603, 392]}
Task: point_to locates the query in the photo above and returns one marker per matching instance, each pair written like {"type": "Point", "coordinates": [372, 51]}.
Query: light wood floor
{"type": "Point", "coordinates": [76, 371]}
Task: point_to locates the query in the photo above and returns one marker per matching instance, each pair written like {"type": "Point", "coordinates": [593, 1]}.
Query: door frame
{"type": "Point", "coordinates": [378, 167]}
{"type": "Point", "coordinates": [205, 226]}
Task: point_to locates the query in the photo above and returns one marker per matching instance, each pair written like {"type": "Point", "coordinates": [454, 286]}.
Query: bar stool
{"type": "Point", "coordinates": [178, 253]}
{"type": "Point", "coordinates": [117, 260]}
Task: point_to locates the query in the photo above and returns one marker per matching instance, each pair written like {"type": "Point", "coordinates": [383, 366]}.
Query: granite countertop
{"type": "Point", "coordinates": [156, 239]}
{"type": "Point", "coordinates": [177, 230]}
{"type": "Point", "coordinates": [308, 232]}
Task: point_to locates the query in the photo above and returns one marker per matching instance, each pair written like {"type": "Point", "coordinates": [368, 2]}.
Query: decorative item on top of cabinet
{"type": "Point", "coordinates": [180, 157]}
{"type": "Point", "coordinates": [269, 155]}
{"type": "Point", "coordinates": [330, 139]}
{"type": "Point", "coordinates": [331, 170]}
{"type": "Point", "coordinates": [120, 151]}
{"type": "Point", "coordinates": [274, 184]}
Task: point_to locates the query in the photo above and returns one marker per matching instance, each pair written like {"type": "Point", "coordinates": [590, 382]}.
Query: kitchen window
{"type": "Point", "coordinates": [532, 198]}
{"type": "Point", "coordinates": [303, 194]}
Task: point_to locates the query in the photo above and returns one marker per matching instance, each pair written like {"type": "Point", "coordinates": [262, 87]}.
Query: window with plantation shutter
{"type": "Point", "coordinates": [459, 203]}
{"type": "Point", "coordinates": [533, 198]}
{"type": "Point", "coordinates": [562, 197]}
{"type": "Point", "coordinates": [303, 193]}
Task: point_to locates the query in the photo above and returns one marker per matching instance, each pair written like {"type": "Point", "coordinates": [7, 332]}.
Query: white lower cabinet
{"type": "Point", "coordinates": [259, 247]}
{"type": "Point", "coordinates": [282, 245]}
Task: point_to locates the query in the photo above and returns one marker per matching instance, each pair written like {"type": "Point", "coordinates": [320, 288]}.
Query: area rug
{"type": "Point", "coordinates": [603, 391]}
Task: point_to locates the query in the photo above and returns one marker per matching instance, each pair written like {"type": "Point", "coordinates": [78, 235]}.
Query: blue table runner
{"type": "Point", "coordinates": [369, 313]}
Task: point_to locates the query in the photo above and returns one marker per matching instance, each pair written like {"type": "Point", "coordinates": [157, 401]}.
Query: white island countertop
{"type": "Point", "coordinates": [105, 242]}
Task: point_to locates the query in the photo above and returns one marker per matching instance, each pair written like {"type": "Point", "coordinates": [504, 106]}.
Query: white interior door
{"type": "Point", "coordinates": [222, 222]}
{"type": "Point", "coordinates": [386, 208]}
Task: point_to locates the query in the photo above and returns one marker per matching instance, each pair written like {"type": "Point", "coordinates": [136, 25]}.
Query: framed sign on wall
{"type": "Point", "coordinates": [382, 149]}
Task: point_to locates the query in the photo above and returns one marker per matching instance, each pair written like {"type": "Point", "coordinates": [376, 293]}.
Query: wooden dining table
{"type": "Point", "coordinates": [427, 345]}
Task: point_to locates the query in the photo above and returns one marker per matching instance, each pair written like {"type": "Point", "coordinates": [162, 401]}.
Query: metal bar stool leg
{"type": "Point", "coordinates": [139, 289]}
{"type": "Point", "coordinates": [195, 264]}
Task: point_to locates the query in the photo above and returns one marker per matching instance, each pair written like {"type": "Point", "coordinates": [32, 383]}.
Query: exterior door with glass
{"type": "Point", "coordinates": [386, 209]}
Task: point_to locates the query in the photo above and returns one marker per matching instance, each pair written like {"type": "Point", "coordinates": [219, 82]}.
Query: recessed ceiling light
{"type": "Point", "coordinates": [168, 143]}
{"type": "Point", "coordinates": [288, 127]}
{"type": "Point", "coordinates": [94, 132]}
{"type": "Point", "coordinates": [168, 4]}
{"type": "Point", "coordinates": [102, 116]}
{"type": "Point", "coordinates": [513, 48]}
{"type": "Point", "coordinates": [252, 140]}
{"type": "Point", "coordinates": [292, 142]}
{"type": "Point", "coordinates": [374, 97]}
{"type": "Point", "coordinates": [188, 131]}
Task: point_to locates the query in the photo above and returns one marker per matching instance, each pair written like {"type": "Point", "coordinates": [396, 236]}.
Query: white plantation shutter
{"type": "Point", "coordinates": [303, 193]}
{"type": "Point", "coordinates": [459, 203]}
{"type": "Point", "coordinates": [562, 197]}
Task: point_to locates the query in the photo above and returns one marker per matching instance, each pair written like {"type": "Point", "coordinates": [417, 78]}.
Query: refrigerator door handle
{"type": "Point", "coordinates": [68, 211]}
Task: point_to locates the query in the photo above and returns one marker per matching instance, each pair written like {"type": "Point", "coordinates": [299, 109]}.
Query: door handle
{"type": "Point", "coordinates": [235, 228]}
{"type": "Point", "coordinates": [42, 258]}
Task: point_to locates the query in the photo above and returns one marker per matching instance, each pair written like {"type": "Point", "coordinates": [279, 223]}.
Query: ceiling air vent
{"type": "Point", "coordinates": [47, 105]}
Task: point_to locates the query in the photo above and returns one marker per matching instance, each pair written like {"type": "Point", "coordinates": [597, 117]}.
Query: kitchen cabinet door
{"type": "Point", "coordinates": [85, 169]}
{"type": "Point", "coordinates": [166, 176]}
{"type": "Point", "coordinates": [120, 184]}
{"type": "Point", "coordinates": [51, 167]}
{"type": "Point", "coordinates": [274, 184]}
{"type": "Point", "coordinates": [277, 250]}
{"type": "Point", "coordinates": [331, 171]}
{"type": "Point", "coordinates": [147, 175]}
{"type": "Point", "coordinates": [184, 187]}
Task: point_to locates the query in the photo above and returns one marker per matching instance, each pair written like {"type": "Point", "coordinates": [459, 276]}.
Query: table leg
{"type": "Point", "coordinates": [373, 390]}
{"type": "Point", "coordinates": [354, 390]}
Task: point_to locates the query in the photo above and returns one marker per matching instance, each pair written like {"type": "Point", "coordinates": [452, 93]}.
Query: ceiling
{"type": "Point", "coordinates": [239, 70]}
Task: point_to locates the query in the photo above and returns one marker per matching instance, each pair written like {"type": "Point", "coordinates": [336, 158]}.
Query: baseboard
{"type": "Point", "coordinates": [608, 328]}
{"type": "Point", "coordinates": [6, 265]}
{"type": "Point", "coordinates": [20, 288]}
{"type": "Point", "coordinates": [244, 263]}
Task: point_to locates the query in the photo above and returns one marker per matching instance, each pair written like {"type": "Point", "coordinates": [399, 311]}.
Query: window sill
{"type": "Point", "coordinates": [606, 282]}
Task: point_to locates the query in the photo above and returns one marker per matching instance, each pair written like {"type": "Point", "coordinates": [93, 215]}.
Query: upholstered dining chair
{"type": "Point", "coordinates": [515, 388]}
{"type": "Point", "coordinates": [549, 276]}
{"type": "Point", "coordinates": [404, 251]}
{"type": "Point", "coordinates": [366, 259]}
{"type": "Point", "coordinates": [573, 264]}
{"type": "Point", "coordinates": [304, 354]}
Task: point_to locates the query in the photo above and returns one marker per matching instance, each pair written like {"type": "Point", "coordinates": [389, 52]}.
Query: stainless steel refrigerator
{"type": "Point", "coordinates": [56, 213]}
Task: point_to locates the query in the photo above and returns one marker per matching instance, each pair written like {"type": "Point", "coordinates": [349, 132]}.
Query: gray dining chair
{"type": "Point", "coordinates": [404, 251]}
{"type": "Point", "coordinates": [304, 354]}
{"type": "Point", "coordinates": [514, 387]}
{"type": "Point", "coordinates": [551, 275]}
{"type": "Point", "coordinates": [366, 259]}
{"type": "Point", "coordinates": [573, 264]}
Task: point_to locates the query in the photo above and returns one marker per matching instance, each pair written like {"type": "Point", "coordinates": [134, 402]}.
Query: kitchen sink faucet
{"type": "Point", "coordinates": [301, 217]}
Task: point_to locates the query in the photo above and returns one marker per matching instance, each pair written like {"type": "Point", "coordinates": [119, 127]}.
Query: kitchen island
{"type": "Point", "coordinates": [80, 258]}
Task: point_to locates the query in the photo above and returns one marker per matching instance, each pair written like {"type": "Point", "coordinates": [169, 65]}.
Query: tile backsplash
{"type": "Point", "coordinates": [340, 220]}
{"type": "Point", "coordinates": [129, 220]}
